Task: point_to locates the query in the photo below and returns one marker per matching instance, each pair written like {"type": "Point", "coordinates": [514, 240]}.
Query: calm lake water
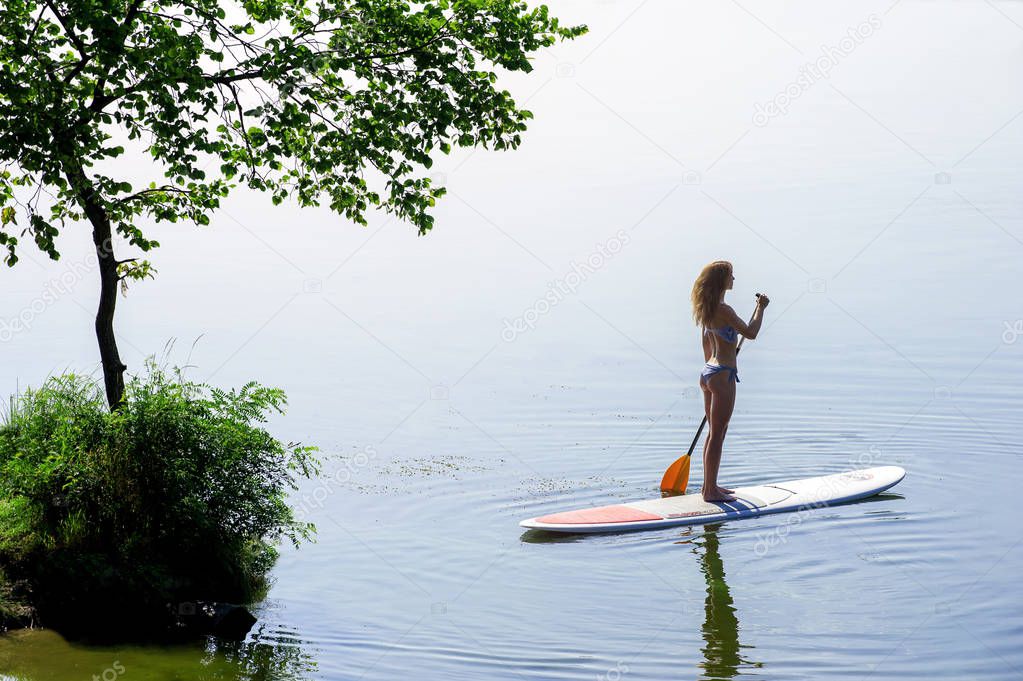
{"type": "Point", "coordinates": [535, 353]}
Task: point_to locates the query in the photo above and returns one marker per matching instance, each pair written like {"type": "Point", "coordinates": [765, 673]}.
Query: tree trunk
{"type": "Point", "coordinates": [113, 368]}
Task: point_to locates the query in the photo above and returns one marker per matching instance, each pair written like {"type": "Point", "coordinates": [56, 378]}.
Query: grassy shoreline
{"type": "Point", "coordinates": [120, 523]}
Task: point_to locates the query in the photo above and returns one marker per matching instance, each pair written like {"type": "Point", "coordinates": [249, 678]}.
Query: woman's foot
{"type": "Point", "coordinates": [717, 495]}
{"type": "Point", "coordinates": [725, 490]}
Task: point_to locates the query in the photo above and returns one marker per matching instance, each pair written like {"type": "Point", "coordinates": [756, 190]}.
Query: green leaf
{"type": "Point", "coordinates": [349, 120]}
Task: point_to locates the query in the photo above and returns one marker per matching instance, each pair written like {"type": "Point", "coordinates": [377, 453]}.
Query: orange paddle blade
{"type": "Point", "coordinates": [676, 478]}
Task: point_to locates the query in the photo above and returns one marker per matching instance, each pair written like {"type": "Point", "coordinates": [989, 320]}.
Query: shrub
{"type": "Point", "coordinates": [179, 495]}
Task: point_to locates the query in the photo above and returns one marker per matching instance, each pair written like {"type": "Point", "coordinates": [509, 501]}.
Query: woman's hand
{"type": "Point", "coordinates": [762, 300]}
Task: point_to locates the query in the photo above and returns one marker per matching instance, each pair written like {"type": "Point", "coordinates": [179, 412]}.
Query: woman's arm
{"type": "Point", "coordinates": [707, 350]}
{"type": "Point", "coordinates": [753, 328]}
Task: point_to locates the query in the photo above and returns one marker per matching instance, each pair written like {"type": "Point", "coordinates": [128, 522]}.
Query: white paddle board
{"type": "Point", "coordinates": [691, 509]}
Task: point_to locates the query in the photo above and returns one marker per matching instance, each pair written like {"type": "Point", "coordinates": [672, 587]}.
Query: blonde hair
{"type": "Point", "coordinates": [707, 290]}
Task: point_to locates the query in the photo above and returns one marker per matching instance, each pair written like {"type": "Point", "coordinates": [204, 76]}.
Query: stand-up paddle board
{"type": "Point", "coordinates": [691, 509]}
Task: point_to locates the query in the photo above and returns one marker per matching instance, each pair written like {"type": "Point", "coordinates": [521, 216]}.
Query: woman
{"type": "Point", "coordinates": [721, 329]}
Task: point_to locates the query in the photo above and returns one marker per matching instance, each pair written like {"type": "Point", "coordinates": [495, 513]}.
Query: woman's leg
{"type": "Point", "coordinates": [722, 389]}
{"type": "Point", "coordinates": [731, 406]}
{"type": "Point", "coordinates": [706, 410]}
{"type": "Point", "coordinates": [706, 399]}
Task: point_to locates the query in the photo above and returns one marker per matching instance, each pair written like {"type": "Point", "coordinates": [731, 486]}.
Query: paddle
{"type": "Point", "coordinates": [676, 478]}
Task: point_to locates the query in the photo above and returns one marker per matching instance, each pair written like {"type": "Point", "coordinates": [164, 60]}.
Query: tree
{"type": "Point", "coordinates": [337, 101]}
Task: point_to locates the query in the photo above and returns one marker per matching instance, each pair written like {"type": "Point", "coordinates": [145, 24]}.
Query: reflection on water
{"type": "Point", "coordinates": [721, 652]}
{"type": "Point", "coordinates": [43, 655]}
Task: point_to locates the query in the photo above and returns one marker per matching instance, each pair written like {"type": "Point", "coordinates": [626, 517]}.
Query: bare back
{"type": "Point", "coordinates": [722, 337]}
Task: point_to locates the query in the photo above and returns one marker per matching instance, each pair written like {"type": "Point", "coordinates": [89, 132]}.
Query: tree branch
{"type": "Point", "coordinates": [223, 78]}
{"type": "Point", "coordinates": [245, 133]}
{"type": "Point", "coordinates": [153, 190]}
{"type": "Point", "coordinates": [123, 30]}
{"type": "Point", "coordinates": [72, 36]}
{"type": "Point", "coordinates": [35, 27]}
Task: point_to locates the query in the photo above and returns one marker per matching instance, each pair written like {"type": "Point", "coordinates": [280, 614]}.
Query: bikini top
{"type": "Point", "coordinates": [726, 332]}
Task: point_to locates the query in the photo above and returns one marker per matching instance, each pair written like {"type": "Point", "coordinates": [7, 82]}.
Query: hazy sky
{"type": "Point", "coordinates": [876, 204]}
